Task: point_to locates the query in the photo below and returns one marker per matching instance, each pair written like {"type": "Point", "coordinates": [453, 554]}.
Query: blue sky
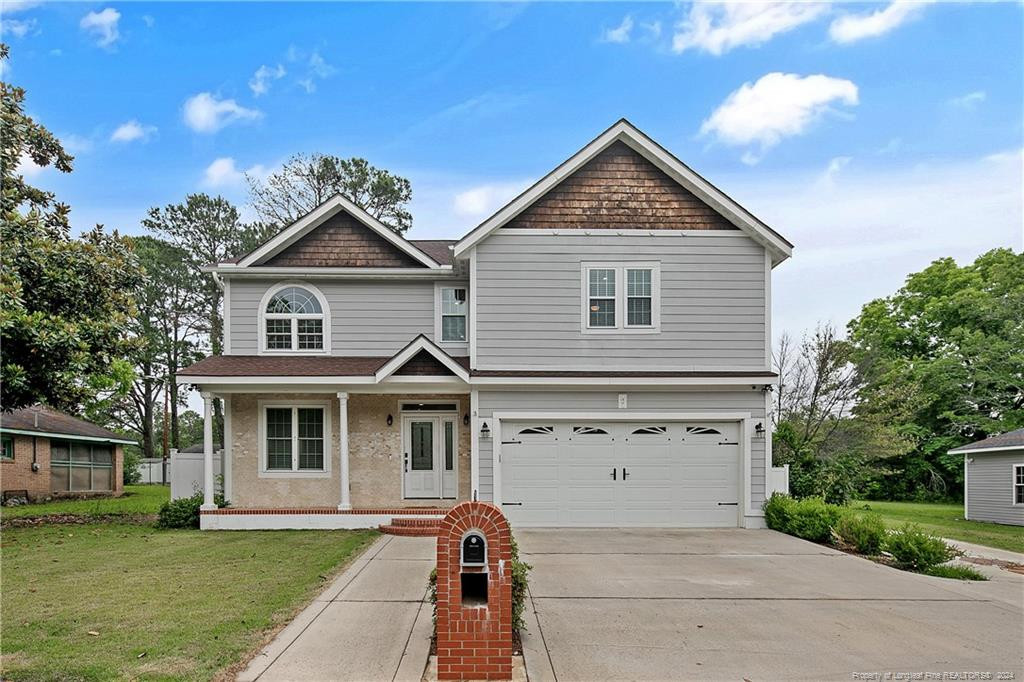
{"type": "Point", "coordinates": [876, 137]}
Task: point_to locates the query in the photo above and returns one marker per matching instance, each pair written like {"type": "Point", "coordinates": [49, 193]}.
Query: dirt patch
{"type": "Point", "coordinates": [1010, 566]}
{"type": "Point", "coordinates": [76, 519]}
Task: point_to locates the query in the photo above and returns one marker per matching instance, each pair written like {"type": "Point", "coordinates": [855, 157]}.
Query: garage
{"type": "Point", "coordinates": [600, 473]}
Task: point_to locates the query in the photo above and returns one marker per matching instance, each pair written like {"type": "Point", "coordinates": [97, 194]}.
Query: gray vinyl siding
{"type": "Point", "coordinates": [553, 400]}
{"type": "Point", "coordinates": [989, 486]}
{"type": "Point", "coordinates": [369, 317]}
{"type": "Point", "coordinates": [528, 290]}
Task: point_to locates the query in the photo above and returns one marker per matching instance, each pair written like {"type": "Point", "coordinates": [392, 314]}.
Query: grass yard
{"type": "Point", "coordinates": [947, 520]}
{"type": "Point", "coordinates": [137, 499]}
{"type": "Point", "coordinates": [123, 601]}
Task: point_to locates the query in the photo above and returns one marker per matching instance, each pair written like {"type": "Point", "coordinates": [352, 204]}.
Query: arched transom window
{"type": "Point", "coordinates": [294, 320]}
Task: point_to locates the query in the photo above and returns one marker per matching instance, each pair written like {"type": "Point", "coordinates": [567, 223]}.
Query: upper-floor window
{"type": "Point", "coordinates": [294, 319]}
{"type": "Point", "coordinates": [621, 297]}
{"type": "Point", "coordinates": [452, 314]}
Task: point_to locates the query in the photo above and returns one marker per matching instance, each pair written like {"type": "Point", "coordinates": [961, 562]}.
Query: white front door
{"type": "Point", "coordinates": [429, 455]}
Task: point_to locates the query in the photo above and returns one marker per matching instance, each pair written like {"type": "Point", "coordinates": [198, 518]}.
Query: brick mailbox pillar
{"type": "Point", "coordinates": [474, 594]}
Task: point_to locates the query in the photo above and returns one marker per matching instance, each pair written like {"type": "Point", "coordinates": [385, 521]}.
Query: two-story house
{"type": "Point", "coordinates": [596, 353]}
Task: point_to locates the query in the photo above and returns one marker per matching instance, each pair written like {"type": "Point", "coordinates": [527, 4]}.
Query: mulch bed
{"type": "Point", "coordinates": [75, 519]}
{"type": "Point", "coordinates": [517, 644]}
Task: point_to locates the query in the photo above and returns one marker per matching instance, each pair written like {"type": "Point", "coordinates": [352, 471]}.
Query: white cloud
{"type": "Point", "coordinates": [316, 67]}
{"type": "Point", "coordinates": [777, 106]}
{"type": "Point", "coordinates": [148, 20]}
{"type": "Point", "coordinates": [28, 167]}
{"type": "Point", "coordinates": [204, 113]}
{"type": "Point", "coordinates": [224, 172]}
{"type": "Point", "coordinates": [130, 131]}
{"type": "Point", "coordinates": [261, 80]}
{"type": "Point", "coordinates": [19, 28]}
{"type": "Point", "coordinates": [970, 100]}
{"type": "Point", "coordinates": [102, 25]}
{"type": "Point", "coordinates": [717, 27]}
{"type": "Point", "coordinates": [76, 144]}
{"type": "Point", "coordinates": [619, 34]}
{"type": "Point", "coordinates": [878, 219]}
{"type": "Point", "coordinates": [827, 179]}
{"type": "Point", "coordinates": [483, 200]}
{"type": "Point", "coordinates": [853, 27]}
{"type": "Point", "coordinates": [12, 6]}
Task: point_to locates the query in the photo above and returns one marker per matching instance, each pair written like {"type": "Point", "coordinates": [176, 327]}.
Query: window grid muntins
{"type": "Point", "coordinates": [295, 439]}
{"type": "Point", "coordinates": [294, 320]}
{"type": "Point", "coordinates": [453, 314]}
{"type": "Point", "coordinates": [602, 297]}
{"type": "Point", "coordinates": [621, 297]}
{"type": "Point", "coordinates": [81, 467]}
{"type": "Point", "coordinates": [8, 448]}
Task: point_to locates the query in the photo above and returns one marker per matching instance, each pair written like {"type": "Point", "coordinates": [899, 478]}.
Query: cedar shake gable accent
{"type": "Point", "coordinates": [342, 242]}
{"type": "Point", "coordinates": [424, 364]}
{"type": "Point", "coordinates": [620, 190]}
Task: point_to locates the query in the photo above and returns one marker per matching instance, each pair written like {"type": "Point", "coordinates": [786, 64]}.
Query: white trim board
{"type": "Point", "coordinates": [630, 135]}
{"type": "Point", "coordinates": [322, 213]}
{"type": "Point", "coordinates": [66, 436]}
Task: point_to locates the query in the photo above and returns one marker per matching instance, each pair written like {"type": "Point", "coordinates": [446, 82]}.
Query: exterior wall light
{"type": "Point", "coordinates": [391, 420]}
{"type": "Point", "coordinates": [465, 419]}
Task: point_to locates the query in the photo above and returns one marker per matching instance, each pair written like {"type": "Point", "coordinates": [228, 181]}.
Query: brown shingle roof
{"type": "Point", "coordinates": [291, 366]}
{"type": "Point", "coordinates": [436, 249]}
{"type": "Point", "coordinates": [1010, 439]}
{"type": "Point", "coordinates": [42, 419]}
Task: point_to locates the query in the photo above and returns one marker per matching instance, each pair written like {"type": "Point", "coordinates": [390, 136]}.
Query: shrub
{"type": "Point", "coordinates": [813, 519]}
{"type": "Point", "coordinates": [915, 550]}
{"type": "Point", "coordinates": [184, 512]}
{"type": "Point", "coordinates": [865, 532]}
{"type": "Point", "coordinates": [777, 511]}
{"type": "Point", "coordinates": [957, 572]}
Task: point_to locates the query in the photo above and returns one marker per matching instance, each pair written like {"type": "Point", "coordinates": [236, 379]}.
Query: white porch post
{"type": "Point", "coordinates": [346, 501]}
{"type": "Point", "coordinates": [208, 452]}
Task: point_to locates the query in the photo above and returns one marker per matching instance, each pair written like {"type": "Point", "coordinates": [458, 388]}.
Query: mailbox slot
{"type": "Point", "coordinates": [474, 589]}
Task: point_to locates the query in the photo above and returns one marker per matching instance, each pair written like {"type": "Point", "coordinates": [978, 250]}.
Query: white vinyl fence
{"type": "Point", "coordinates": [778, 480]}
{"type": "Point", "coordinates": [151, 470]}
{"type": "Point", "coordinates": [187, 473]}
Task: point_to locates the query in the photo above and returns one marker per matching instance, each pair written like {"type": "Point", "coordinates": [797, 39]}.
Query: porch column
{"type": "Point", "coordinates": [208, 452]}
{"type": "Point", "coordinates": [346, 501]}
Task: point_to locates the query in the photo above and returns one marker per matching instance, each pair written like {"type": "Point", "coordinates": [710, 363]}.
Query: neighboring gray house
{"type": "Point", "coordinates": [994, 478]}
{"type": "Point", "coordinates": [596, 353]}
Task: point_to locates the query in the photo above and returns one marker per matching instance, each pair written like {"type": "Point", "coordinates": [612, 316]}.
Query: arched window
{"type": "Point", "coordinates": [294, 319]}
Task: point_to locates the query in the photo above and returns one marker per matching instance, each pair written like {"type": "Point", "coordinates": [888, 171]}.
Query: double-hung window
{"type": "Point", "coordinates": [296, 439]}
{"type": "Point", "coordinates": [294, 320]}
{"type": "Point", "coordinates": [621, 297]}
{"type": "Point", "coordinates": [453, 314]}
{"type": "Point", "coordinates": [1018, 483]}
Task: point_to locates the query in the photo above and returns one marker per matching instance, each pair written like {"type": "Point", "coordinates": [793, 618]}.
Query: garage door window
{"type": "Point", "coordinates": [588, 431]}
{"type": "Point", "coordinates": [537, 431]}
{"type": "Point", "coordinates": [651, 431]}
{"type": "Point", "coordinates": [702, 431]}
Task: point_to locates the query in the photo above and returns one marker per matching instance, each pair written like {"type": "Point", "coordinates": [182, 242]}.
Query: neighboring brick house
{"type": "Point", "coordinates": [47, 453]}
{"type": "Point", "coordinates": [596, 353]}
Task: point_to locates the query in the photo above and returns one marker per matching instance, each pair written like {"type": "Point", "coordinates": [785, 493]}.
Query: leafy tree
{"type": "Point", "coordinates": [306, 181]}
{"type": "Point", "coordinates": [828, 448]}
{"type": "Point", "coordinates": [948, 348]}
{"type": "Point", "coordinates": [64, 303]}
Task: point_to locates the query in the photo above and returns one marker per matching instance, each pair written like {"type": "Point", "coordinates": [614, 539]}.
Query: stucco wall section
{"type": "Point", "coordinates": [375, 455]}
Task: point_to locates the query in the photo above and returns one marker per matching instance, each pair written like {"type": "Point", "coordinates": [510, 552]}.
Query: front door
{"type": "Point", "coordinates": [429, 454]}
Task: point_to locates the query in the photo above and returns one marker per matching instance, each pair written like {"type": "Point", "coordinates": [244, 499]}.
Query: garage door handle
{"type": "Point", "coordinates": [728, 504]}
{"type": "Point", "coordinates": [624, 473]}
{"type": "Point", "coordinates": [511, 504]}
{"type": "Point", "coordinates": [613, 474]}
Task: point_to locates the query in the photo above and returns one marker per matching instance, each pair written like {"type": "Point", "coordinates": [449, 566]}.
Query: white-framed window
{"type": "Point", "coordinates": [621, 298]}
{"type": "Point", "coordinates": [8, 447]}
{"type": "Point", "coordinates": [451, 324]}
{"type": "Point", "coordinates": [295, 439]}
{"type": "Point", "coordinates": [294, 319]}
{"type": "Point", "coordinates": [1018, 483]}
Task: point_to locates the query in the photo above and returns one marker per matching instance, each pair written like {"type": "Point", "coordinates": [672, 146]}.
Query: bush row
{"type": "Point", "coordinates": [814, 519]}
{"type": "Point", "coordinates": [184, 511]}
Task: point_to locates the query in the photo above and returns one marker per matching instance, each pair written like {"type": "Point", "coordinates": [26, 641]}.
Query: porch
{"type": "Point", "coordinates": [338, 460]}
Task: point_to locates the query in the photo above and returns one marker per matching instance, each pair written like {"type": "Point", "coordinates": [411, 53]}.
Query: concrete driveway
{"type": "Point", "coordinates": [756, 605]}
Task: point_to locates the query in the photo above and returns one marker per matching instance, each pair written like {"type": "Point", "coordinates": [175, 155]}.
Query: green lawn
{"type": "Point", "coordinates": [137, 499]}
{"type": "Point", "coordinates": [947, 520]}
{"type": "Point", "coordinates": [124, 601]}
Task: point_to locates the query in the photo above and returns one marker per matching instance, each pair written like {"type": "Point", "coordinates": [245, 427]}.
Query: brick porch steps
{"type": "Point", "coordinates": [412, 527]}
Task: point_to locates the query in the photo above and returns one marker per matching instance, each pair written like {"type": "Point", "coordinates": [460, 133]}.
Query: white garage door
{"type": "Point", "coordinates": [620, 474]}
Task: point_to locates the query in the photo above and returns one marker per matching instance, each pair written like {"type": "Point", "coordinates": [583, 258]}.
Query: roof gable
{"type": "Point", "coordinates": [619, 189]}
{"type": "Point", "coordinates": [423, 357]}
{"type": "Point", "coordinates": [341, 232]}
{"type": "Point", "coordinates": [627, 134]}
{"type": "Point", "coordinates": [341, 242]}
